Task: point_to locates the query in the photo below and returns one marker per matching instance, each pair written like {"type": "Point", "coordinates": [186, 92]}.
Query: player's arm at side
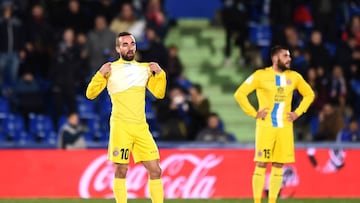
{"type": "Point", "coordinates": [307, 93]}
{"type": "Point", "coordinates": [157, 84]}
{"type": "Point", "coordinates": [241, 95]}
{"type": "Point", "coordinates": [98, 82]}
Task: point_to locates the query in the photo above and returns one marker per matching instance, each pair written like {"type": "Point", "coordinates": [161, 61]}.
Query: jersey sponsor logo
{"type": "Point", "coordinates": [280, 90]}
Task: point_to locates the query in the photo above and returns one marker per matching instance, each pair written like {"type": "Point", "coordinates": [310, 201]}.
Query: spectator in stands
{"type": "Point", "coordinates": [83, 73]}
{"type": "Point", "coordinates": [301, 127]}
{"type": "Point", "coordinates": [338, 90]}
{"type": "Point", "coordinates": [126, 20]}
{"type": "Point", "coordinates": [213, 132]}
{"type": "Point", "coordinates": [319, 54]}
{"type": "Point", "coordinates": [39, 41]}
{"type": "Point", "coordinates": [352, 30]}
{"type": "Point", "coordinates": [302, 17]}
{"type": "Point", "coordinates": [174, 68]}
{"type": "Point", "coordinates": [234, 17]}
{"type": "Point", "coordinates": [280, 20]}
{"type": "Point", "coordinates": [156, 19]}
{"type": "Point", "coordinates": [174, 116]}
{"type": "Point", "coordinates": [311, 77]}
{"type": "Point", "coordinates": [296, 47]}
{"type": "Point", "coordinates": [100, 44]}
{"type": "Point", "coordinates": [201, 106]}
{"type": "Point", "coordinates": [71, 134]}
{"type": "Point", "coordinates": [325, 18]}
{"type": "Point", "coordinates": [281, 14]}
{"type": "Point", "coordinates": [320, 83]}
{"type": "Point", "coordinates": [155, 50]}
{"type": "Point", "coordinates": [351, 133]}
{"type": "Point", "coordinates": [75, 17]}
{"type": "Point", "coordinates": [347, 53]}
{"type": "Point", "coordinates": [64, 74]}
{"type": "Point", "coordinates": [107, 8]}
{"type": "Point", "coordinates": [11, 44]}
{"type": "Point", "coordinates": [354, 89]}
{"type": "Point", "coordinates": [331, 121]}
{"type": "Point", "coordinates": [28, 95]}
{"type": "Point", "coordinates": [21, 8]}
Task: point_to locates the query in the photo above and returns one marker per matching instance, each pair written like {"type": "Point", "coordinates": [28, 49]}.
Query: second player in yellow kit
{"type": "Point", "coordinates": [126, 81]}
{"type": "Point", "coordinates": [274, 137]}
{"type": "Point", "coordinates": [274, 91]}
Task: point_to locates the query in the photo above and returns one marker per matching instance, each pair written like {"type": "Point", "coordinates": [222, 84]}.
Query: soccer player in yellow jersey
{"type": "Point", "coordinates": [126, 80]}
{"type": "Point", "coordinates": [274, 139]}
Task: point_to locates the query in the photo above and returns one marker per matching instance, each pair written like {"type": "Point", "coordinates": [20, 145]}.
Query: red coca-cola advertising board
{"type": "Point", "coordinates": [187, 173]}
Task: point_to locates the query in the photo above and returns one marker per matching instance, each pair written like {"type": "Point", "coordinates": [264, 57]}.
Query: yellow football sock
{"type": "Point", "coordinates": [258, 181]}
{"type": "Point", "coordinates": [120, 191]}
{"type": "Point", "coordinates": [275, 183]}
{"type": "Point", "coordinates": [156, 191]}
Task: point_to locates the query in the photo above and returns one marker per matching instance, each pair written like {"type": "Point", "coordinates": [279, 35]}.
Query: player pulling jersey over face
{"type": "Point", "coordinates": [274, 139]}
{"type": "Point", "coordinates": [126, 81]}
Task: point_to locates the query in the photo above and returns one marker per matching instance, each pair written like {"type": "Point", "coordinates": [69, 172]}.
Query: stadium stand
{"type": "Point", "coordinates": [200, 38]}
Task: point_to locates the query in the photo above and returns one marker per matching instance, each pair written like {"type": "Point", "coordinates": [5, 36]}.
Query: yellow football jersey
{"type": "Point", "coordinates": [275, 92]}
{"type": "Point", "coordinates": [126, 85]}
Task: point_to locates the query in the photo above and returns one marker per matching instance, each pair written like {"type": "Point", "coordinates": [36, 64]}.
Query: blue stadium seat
{"type": "Point", "coordinates": [85, 107]}
{"type": "Point", "coordinates": [353, 10]}
{"type": "Point", "coordinates": [93, 128]}
{"type": "Point", "coordinates": [260, 35]}
{"type": "Point", "coordinates": [13, 127]}
{"type": "Point", "coordinates": [4, 107]}
{"type": "Point", "coordinates": [61, 122]}
{"type": "Point", "coordinates": [104, 106]}
{"type": "Point", "coordinates": [3, 137]}
{"type": "Point", "coordinates": [176, 9]}
{"type": "Point", "coordinates": [314, 125]}
{"type": "Point", "coordinates": [93, 123]}
{"type": "Point", "coordinates": [41, 127]}
{"type": "Point", "coordinates": [151, 115]}
{"type": "Point", "coordinates": [102, 136]}
{"type": "Point", "coordinates": [331, 48]}
{"type": "Point", "coordinates": [23, 138]}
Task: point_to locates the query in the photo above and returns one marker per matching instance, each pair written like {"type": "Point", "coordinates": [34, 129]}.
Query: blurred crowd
{"type": "Point", "coordinates": [49, 50]}
{"type": "Point", "coordinates": [323, 37]}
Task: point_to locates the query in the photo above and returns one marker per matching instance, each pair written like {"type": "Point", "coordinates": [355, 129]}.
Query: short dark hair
{"type": "Point", "coordinates": [121, 34]}
{"type": "Point", "coordinates": [198, 87]}
{"type": "Point", "coordinates": [276, 49]}
{"type": "Point", "coordinates": [213, 114]}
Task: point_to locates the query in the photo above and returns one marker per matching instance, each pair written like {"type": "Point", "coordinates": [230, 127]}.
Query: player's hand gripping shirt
{"type": "Point", "coordinates": [126, 85]}
{"type": "Point", "coordinates": [274, 91]}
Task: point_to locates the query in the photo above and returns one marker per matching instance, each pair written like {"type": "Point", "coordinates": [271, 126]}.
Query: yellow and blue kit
{"type": "Point", "coordinates": [274, 139]}
{"type": "Point", "coordinates": [274, 91]}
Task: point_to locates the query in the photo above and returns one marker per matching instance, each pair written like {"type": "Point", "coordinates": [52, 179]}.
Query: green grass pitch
{"type": "Point", "coordinates": [176, 201]}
